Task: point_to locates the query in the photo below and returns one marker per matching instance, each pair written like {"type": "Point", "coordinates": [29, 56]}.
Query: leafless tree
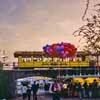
{"type": "Point", "coordinates": [91, 31]}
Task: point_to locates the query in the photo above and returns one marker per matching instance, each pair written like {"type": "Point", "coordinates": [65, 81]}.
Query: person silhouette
{"type": "Point", "coordinates": [34, 90]}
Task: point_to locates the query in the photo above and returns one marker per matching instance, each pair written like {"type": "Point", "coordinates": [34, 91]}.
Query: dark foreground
{"type": "Point", "coordinates": [46, 97]}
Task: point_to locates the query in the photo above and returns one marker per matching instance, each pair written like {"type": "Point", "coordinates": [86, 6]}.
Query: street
{"type": "Point", "coordinates": [46, 97]}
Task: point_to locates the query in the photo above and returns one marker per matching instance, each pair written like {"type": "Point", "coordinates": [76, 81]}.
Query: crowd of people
{"type": "Point", "coordinates": [76, 89]}
{"type": "Point", "coordinates": [60, 89]}
{"type": "Point", "coordinates": [85, 90]}
{"type": "Point", "coordinates": [28, 90]}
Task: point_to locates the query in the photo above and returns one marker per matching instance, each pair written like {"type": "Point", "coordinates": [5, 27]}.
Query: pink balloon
{"type": "Point", "coordinates": [50, 50]}
{"type": "Point", "coordinates": [62, 46]}
{"type": "Point", "coordinates": [62, 52]}
{"type": "Point", "coordinates": [64, 55]}
{"type": "Point", "coordinates": [66, 52]}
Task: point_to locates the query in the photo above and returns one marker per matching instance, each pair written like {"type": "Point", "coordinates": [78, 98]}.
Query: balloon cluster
{"type": "Point", "coordinates": [60, 50]}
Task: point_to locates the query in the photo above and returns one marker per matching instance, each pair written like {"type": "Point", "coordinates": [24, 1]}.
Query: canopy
{"type": "Point", "coordinates": [91, 79]}
{"type": "Point", "coordinates": [78, 79]}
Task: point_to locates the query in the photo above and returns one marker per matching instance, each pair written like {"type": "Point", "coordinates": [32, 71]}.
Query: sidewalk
{"type": "Point", "coordinates": [43, 95]}
{"type": "Point", "coordinates": [46, 97]}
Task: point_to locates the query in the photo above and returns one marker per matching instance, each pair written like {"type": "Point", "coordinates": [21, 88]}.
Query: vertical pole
{"type": "Point", "coordinates": [32, 59]}
{"type": "Point", "coordinates": [59, 72]}
{"type": "Point", "coordinates": [98, 64]}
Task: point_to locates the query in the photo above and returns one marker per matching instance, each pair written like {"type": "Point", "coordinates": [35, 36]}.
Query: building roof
{"type": "Point", "coordinates": [40, 53]}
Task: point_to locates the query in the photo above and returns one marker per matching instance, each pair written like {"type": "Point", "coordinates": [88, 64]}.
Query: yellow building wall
{"type": "Point", "coordinates": [48, 64]}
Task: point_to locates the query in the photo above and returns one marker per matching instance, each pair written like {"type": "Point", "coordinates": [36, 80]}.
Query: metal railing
{"type": "Point", "coordinates": [82, 72]}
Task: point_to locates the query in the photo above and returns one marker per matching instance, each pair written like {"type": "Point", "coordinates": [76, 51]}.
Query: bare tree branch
{"type": "Point", "coordinates": [87, 6]}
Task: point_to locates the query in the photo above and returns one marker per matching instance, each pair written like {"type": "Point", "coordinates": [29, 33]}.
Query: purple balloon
{"type": "Point", "coordinates": [64, 55]}
{"type": "Point", "coordinates": [50, 51]}
{"type": "Point", "coordinates": [62, 52]}
{"type": "Point", "coordinates": [62, 46]}
{"type": "Point", "coordinates": [47, 49]}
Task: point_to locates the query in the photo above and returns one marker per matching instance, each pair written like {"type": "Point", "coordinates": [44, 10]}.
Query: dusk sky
{"type": "Point", "coordinates": [28, 25]}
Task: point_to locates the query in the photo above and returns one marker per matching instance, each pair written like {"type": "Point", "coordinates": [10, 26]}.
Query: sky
{"type": "Point", "coordinates": [28, 25]}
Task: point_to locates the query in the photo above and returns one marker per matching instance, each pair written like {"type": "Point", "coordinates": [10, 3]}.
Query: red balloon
{"type": "Point", "coordinates": [66, 50]}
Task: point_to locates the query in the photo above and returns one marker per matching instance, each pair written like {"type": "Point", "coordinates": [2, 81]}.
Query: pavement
{"type": "Point", "coordinates": [48, 97]}
{"type": "Point", "coordinates": [42, 95]}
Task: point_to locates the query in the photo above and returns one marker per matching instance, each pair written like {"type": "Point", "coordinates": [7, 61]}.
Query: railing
{"type": "Point", "coordinates": [82, 72]}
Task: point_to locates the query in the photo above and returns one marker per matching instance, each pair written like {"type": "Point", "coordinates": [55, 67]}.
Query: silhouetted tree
{"type": "Point", "coordinates": [91, 31]}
